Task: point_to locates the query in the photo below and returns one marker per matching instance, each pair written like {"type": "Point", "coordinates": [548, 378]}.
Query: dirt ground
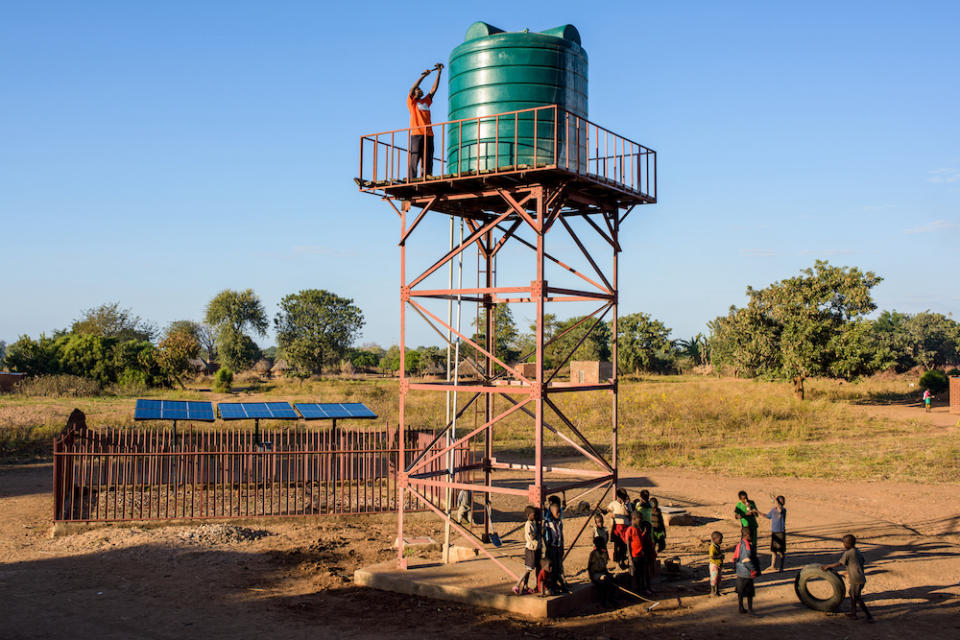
{"type": "Point", "coordinates": [292, 578]}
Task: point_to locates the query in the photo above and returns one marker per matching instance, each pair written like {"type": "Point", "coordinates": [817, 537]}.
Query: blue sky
{"type": "Point", "coordinates": [156, 153]}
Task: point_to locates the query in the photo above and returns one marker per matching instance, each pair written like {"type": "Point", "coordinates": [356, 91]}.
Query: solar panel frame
{"type": "Point", "coordinates": [173, 410]}
{"type": "Point", "coordinates": [257, 411]}
{"type": "Point", "coordinates": [334, 411]}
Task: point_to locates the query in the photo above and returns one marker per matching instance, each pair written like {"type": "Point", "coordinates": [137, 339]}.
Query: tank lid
{"type": "Point", "coordinates": [482, 30]}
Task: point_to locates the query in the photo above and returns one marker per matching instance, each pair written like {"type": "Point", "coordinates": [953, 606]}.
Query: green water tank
{"type": "Point", "coordinates": [493, 72]}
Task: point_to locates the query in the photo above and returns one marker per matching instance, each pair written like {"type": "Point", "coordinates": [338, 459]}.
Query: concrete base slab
{"type": "Point", "coordinates": [475, 582]}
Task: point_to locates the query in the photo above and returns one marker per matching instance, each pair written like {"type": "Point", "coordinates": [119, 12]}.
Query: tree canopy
{"type": "Point", "coordinates": [110, 321]}
{"type": "Point", "coordinates": [315, 328]}
{"type": "Point", "coordinates": [233, 314]}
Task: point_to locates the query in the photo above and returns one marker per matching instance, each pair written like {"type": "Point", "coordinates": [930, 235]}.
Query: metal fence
{"type": "Point", "coordinates": [141, 474]}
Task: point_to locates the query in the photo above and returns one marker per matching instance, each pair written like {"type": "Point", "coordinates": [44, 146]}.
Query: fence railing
{"type": "Point", "coordinates": [141, 474]}
{"type": "Point", "coordinates": [547, 137]}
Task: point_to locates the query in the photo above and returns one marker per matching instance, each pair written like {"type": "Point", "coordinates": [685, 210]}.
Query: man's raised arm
{"type": "Point", "coordinates": [416, 85]}
{"type": "Point", "coordinates": [436, 81]}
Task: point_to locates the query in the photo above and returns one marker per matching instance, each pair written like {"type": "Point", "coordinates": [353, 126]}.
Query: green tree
{"type": "Point", "coordinates": [88, 356]}
{"type": "Point", "coordinates": [3, 353]}
{"type": "Point", "coordinates": [793, 328]}
{"type": "Point", "coordinates": [110, 321]}
{"type": "Point", "coordinates": [505, 337]}
{"type": "Point", "coordinates": [595, 345]}
{"type": "Point", "coordinates": [316, 327]}
{"type": "Point", "coordinates": [177, 349]}
{"type": "Point", "coordinates": [232, 314]}
{"type": "Point", "coordinates": [695, 348]}
{"type": "Point", "coordinates": [643, 345]}
{"type": "Point", "coordinates": [933, 339]}
{"type": "Point", "coordinates": [33, 357]}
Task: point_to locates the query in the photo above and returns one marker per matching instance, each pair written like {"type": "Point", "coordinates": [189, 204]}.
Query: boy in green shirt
{"type": "Point", "coordinates": [746, 513]}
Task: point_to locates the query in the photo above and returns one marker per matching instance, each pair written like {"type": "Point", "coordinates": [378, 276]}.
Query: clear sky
{"type": "Point", "coordinates": [156, 153]}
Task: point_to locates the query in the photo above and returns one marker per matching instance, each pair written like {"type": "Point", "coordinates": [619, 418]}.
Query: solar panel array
{"type": "Point", "coordinates": [173, 410]}
{"type": "Point", "coordinates": [334, 410]}
{"type": "Point", "coordinates": [254, 410]}
{"type": "Point", "coordinates": [203, 411]}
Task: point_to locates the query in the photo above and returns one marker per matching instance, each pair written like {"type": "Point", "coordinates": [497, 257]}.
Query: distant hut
{"type": "Point", "coordinates": [279, 368]}
{"type": "Point", "coordinates": [200, 367]}
{"type": "Point", "coordinates": [263, 367]}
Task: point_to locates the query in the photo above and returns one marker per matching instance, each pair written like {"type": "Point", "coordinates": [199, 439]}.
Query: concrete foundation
{"type": "Point", "coordinates": [475, 582]}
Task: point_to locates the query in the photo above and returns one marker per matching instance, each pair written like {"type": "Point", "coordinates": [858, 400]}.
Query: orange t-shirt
{"type": "Point", "coordinates": [420, 116]}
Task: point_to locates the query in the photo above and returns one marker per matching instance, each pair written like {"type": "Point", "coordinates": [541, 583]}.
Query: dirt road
{"type": "Point", "coordinates": [292, 578]}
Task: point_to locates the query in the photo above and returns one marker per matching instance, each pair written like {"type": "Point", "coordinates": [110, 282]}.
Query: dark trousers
{"type": "Point", "coordinates": [421, 156]}
{"type": "Point", "coordinates": [638, 573]}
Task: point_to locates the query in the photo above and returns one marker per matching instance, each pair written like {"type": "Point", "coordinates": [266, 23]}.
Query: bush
{"type": "Point", "coordinates": [934, 380]}
{"type": "Point", "coordinates": [953, 372]}
{"type": "Point", "coordinates": [63, 385]}
{"type": "Point", "coordinates": [222, 380]}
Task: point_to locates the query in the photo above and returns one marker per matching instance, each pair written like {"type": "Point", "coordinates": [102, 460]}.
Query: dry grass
{"type": "Point", "coordinates": [724, 425]}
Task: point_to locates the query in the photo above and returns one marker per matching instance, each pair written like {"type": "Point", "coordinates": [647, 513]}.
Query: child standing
{"type": "Point", "coordinates": [620, 509]}
{"type": "Point", "coordinates": [852, 561]}
{"type": "Point", "coordinates": [778, 533]}
{"type": "Point", "coordinates": [553, 539]}
{"type": "Point", "coordinates": [531, 550]}
{"type": "Point", "coordinates": [927, 400]}
{"type": "Point", "coordinates": [715, 557]}
{"type": "Point", "coordinates": [657, 525]}
{"type": "Point", "coordinates": [649, 553]}
{"type": "Point", "coordinates": [643, 505]}
{"type": "Point", "coordinates": [599, 530]}
{"type": "Point", "coordinates": [599, 575]}
{"type": "Point", "coordinates": [633, 537]}
{"type": "Point", "coordinates": [746, 514]}
{"type": "Point", "coordinates": [744, 562]}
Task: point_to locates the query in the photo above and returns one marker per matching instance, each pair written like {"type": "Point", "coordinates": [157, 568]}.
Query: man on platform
{"type": "Point", "coordinates": [421, 133]}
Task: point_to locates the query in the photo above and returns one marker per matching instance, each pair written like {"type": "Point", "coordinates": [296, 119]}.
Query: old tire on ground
{"type": "Point", "coordinates": [813, 572]}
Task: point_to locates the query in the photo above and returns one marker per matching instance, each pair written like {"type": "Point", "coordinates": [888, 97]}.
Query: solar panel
{"type": "Point", "coordinates": [334, 410]}
{"type": "Point", "coordinates": [257, 410]}
{"type": "Point", "coordinates": [173, 410]}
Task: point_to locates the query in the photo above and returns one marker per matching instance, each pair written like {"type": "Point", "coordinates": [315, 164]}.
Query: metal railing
{"type": "Point", "coordinates": [547, 137]}
{"type": "Point", "coordinates": [140, 474]}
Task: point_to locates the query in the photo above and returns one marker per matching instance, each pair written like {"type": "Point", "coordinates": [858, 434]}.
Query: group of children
{"type": "Point", "coordinates": [746, 563]}
{"type": "Point", "coordinates": [638, 534]}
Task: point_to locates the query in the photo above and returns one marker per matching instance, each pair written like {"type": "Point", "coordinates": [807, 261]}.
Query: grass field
{"type": "Point", "coordinates": [725, 425]}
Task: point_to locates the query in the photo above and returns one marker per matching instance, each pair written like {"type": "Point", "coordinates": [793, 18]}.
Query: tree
{"type": "Point", "coordinates": [176, 352]}
{"type": "Point", "coordinates": [110, 321]}
{"type": "Point", "coordinates": [595, 346]}
{"type": "Point", "coordinates": [933, 339]}
{"type": "Point", "coordinates": [232, 314]}
{"type": "Point", "coordinates": [33, 357]}
{"type": "Point", "coordinates": [3, 352]}
{"type": "Point", "coordinates": [794, 328]}
{"type": "Point", "coordinates": [316, 327]}
{"type": "Point", "coordinates": [505, 337]}
{"type": "Point", "coordinates": [695, 348]}
{"type": "Point", "coordinates": [643, 344]}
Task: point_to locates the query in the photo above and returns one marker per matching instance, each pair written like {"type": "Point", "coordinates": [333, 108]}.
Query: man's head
{"type": "Point", "coordinates": [417, 93]}
{"type": "Point", "coordinates": [781, 500]}
{"type": "Point", "coordinates": [743, 496]}
{"type": "Point", "coordinates": [644, 495]}
{"type": "Point", "coordinates": [716, 537]}
{"type": "Point", "coordinates": [849, 541]}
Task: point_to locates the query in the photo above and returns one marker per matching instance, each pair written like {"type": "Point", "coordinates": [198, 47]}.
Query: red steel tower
{"type": "Point", "coordinates": [574, 189]}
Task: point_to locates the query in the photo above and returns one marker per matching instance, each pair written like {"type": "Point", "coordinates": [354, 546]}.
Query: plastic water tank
{"type": "Point", "coordinates": [496, 72]}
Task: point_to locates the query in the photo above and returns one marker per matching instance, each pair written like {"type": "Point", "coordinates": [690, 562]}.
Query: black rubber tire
{"type": "Point", "coordinates": [813, 572]}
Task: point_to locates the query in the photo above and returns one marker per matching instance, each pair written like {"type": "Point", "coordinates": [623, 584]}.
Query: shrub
{"type": "Point", "coordinates": [934, 380]}
{"type": "Point", "coordinates": [953, 372]}
{"type": "Point", "coordinates": [222, 380]}
{"type": "Point", "coordinates": [63, 385]}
